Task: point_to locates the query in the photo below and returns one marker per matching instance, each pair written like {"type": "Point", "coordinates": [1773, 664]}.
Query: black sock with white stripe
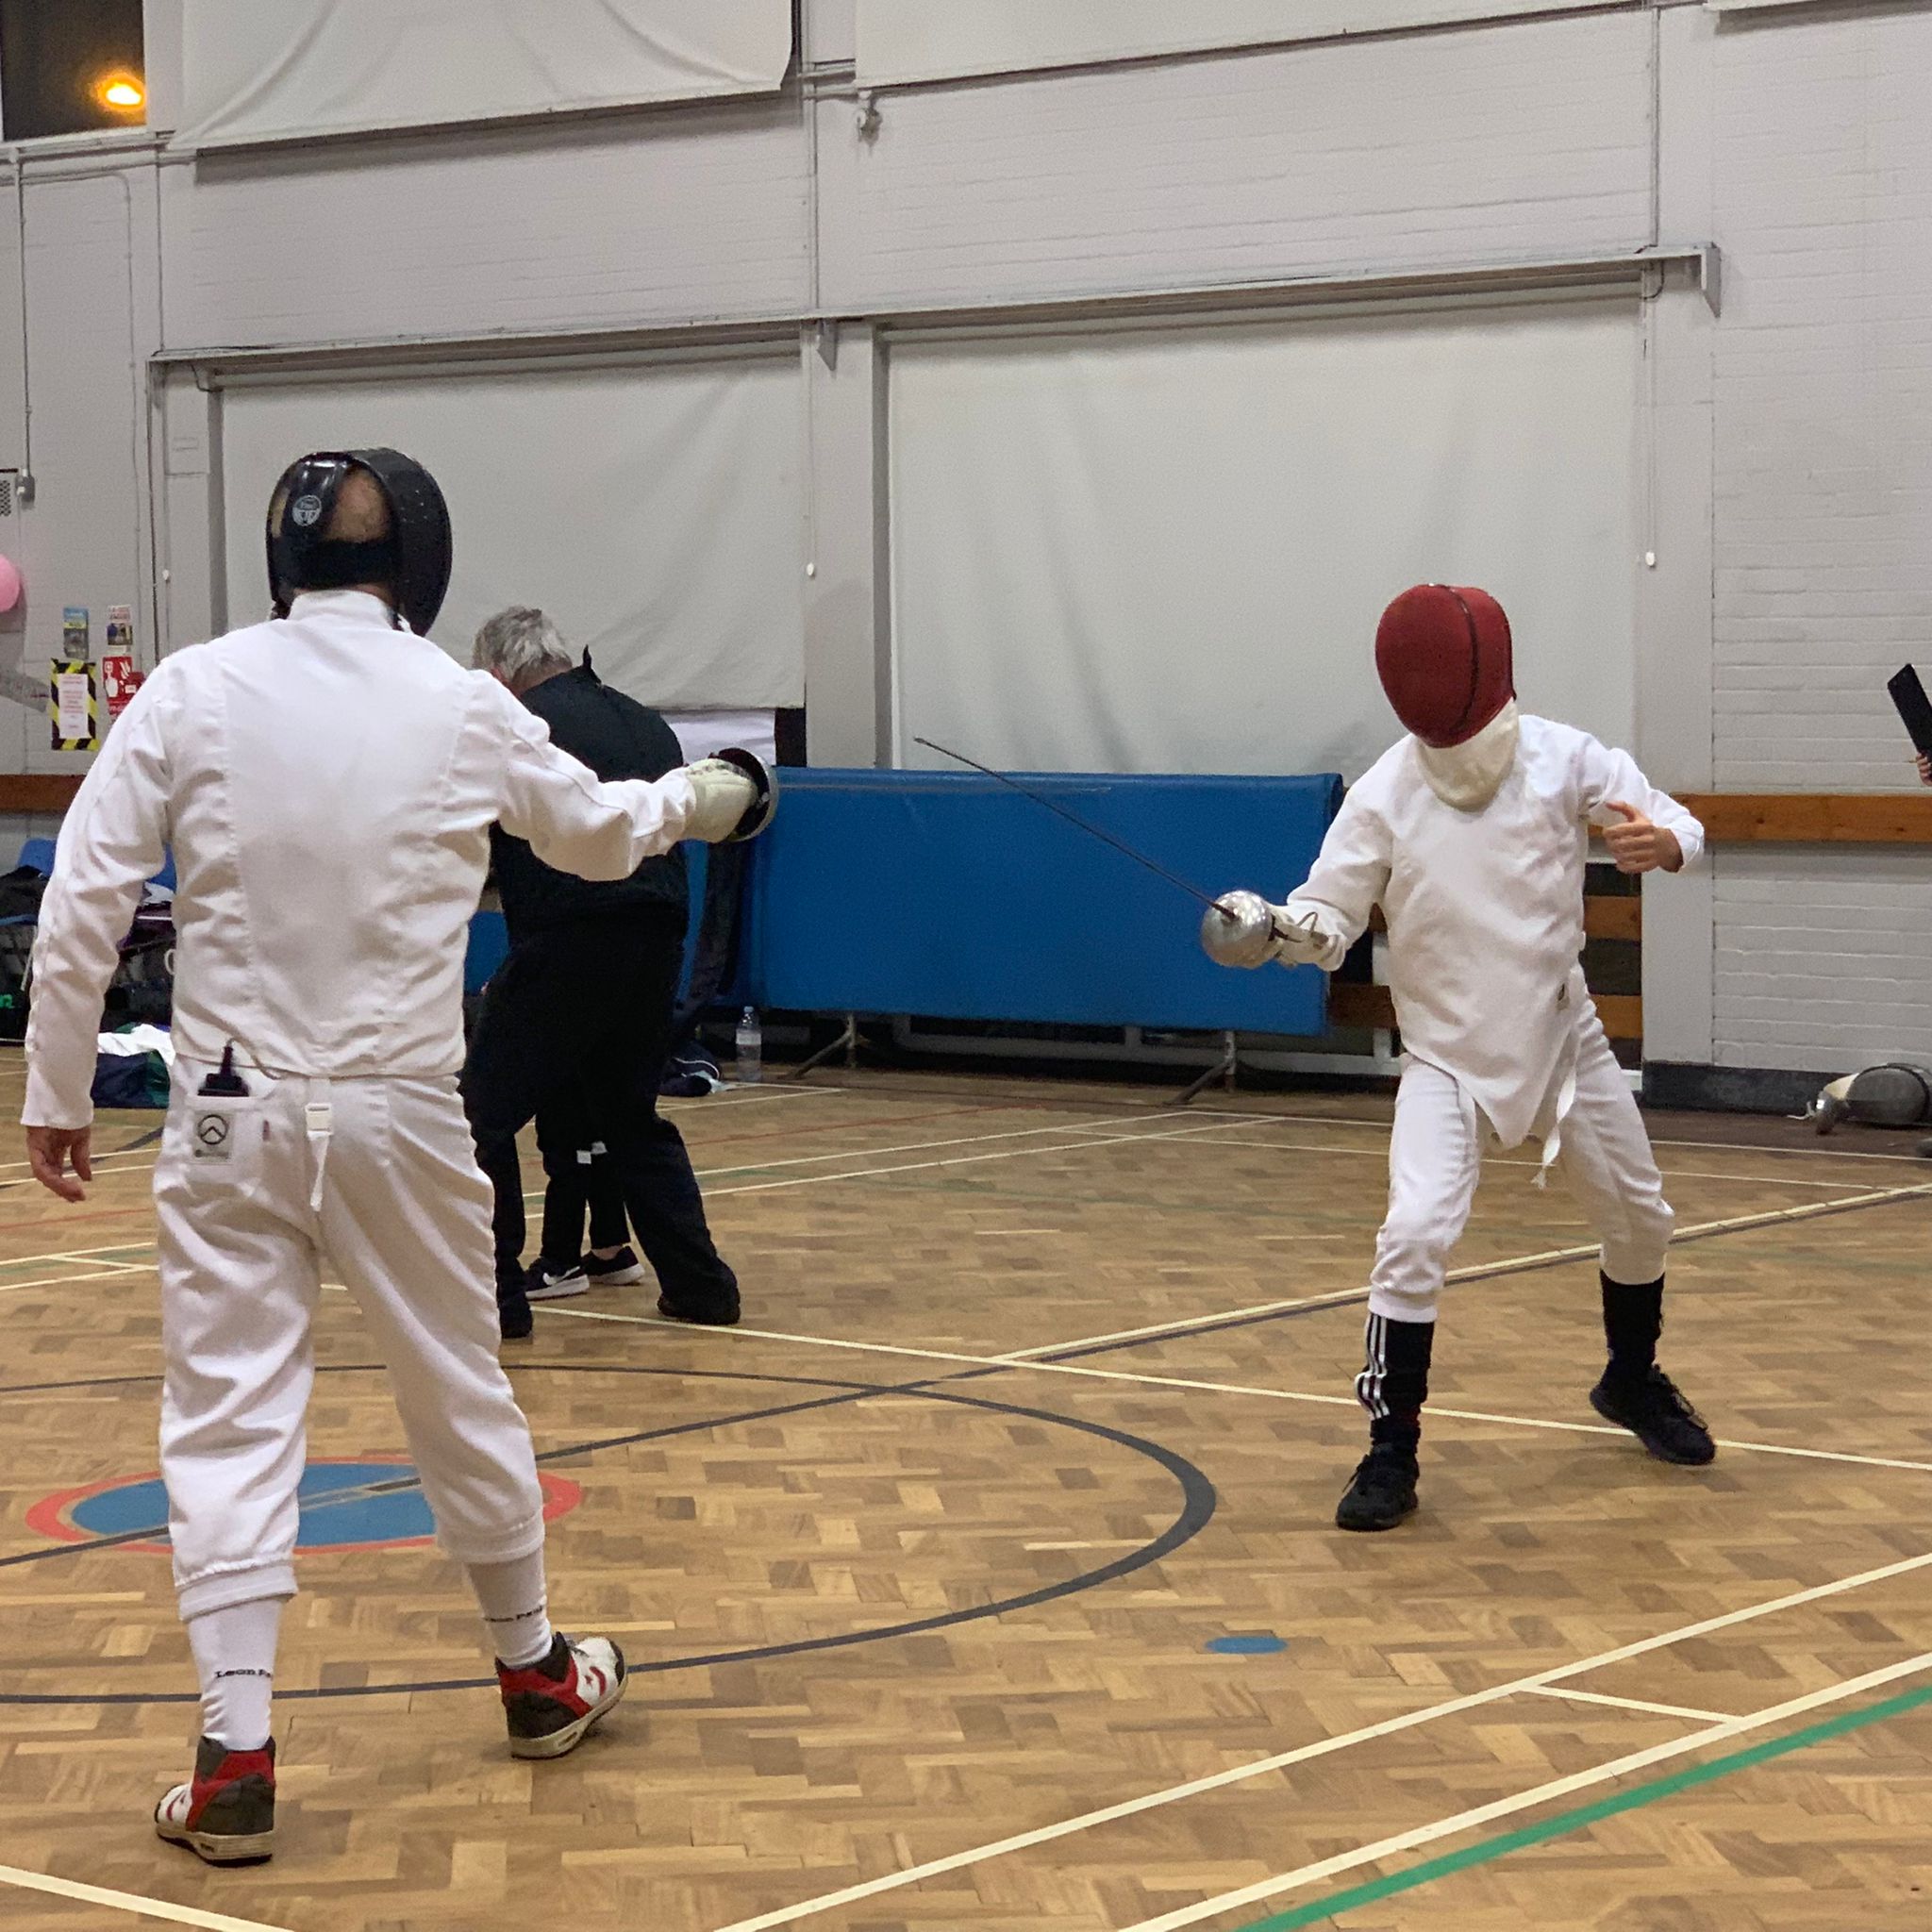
{"type": "Point", "coordinates": [1394, 1383]}
{"type": "Point", "coordinates": [1633, 1320]}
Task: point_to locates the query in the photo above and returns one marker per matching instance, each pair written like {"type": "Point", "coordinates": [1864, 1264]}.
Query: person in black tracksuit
{"type": "Point", "coordinates": [578, 1022]}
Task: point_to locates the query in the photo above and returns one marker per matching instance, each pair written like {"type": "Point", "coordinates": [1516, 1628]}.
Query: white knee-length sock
{"type": "Point", "coordinates": [515, 1608]}
{"type": "Point", "coordinates": [235, 1653]}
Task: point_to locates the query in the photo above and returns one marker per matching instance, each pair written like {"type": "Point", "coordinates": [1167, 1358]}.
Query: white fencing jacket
{"type": "Point", "coordinates": [328, 783]}
{"type": "Point", "coordinates": [1485, 909]}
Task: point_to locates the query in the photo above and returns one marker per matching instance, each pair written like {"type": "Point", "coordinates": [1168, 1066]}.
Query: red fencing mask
{"type": "Point", "coordinates": [1444, 659]}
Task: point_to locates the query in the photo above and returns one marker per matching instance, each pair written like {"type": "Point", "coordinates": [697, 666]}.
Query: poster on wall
{"type": "Point", "coordinates": [74, 705]}
{"type": "Point", "coordinates": [120, 680]}
{"type": "Point", "coordinates": [75, 627]}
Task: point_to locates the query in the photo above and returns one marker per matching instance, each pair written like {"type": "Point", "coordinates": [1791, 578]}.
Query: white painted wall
{"type": "Point", "coordinates": [1785, 448]}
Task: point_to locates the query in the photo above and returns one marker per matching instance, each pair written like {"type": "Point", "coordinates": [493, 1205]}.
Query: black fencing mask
{"type": "Point", "coordinates": [412, 561]}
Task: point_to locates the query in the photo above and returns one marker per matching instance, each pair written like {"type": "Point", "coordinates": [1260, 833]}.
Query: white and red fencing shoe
{"type": "Point", "coordinates": [553, 1705]}
{"type": "Point", "coordinates": [227, 1814]}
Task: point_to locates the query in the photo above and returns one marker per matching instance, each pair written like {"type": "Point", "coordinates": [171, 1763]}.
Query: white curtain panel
{"type": "Point", "coordinates": [902, 41]}
{"type": "Point", "coordinates": [1166, 550]}
{"type": "Point", "coordinates": [654, 513]}
{"type": "Point", "coordinates": [285, 70]}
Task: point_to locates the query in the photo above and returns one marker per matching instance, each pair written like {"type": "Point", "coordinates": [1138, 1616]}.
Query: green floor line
{"type": "Point", "coordinates": [1486, 1851]}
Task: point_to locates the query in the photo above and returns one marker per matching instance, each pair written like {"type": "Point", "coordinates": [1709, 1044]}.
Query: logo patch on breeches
{"type": "Point", "coordinates": [214, 1136]}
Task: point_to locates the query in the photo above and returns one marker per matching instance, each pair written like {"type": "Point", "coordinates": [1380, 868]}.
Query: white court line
{"type": "Point", "coordinates": [807, 1180]}
{"type": "Point", "coordinates": [1689, 1173]}
{"type": "Point", "coordinates": [1325, 1119]}
{"type": "Point", "coordinates": [129, 1902]}
{"type": "Point", "coordinates": [853, 1154]}
{"type": "Point", "coordinates": [1324, 1747]}
{"type": "Point", "coordinates": [111, 1273]}
{"type": "Point", "coordinates": [1737, 1223]}
{"type": "Point", "coordinates": [1565, 1693]}
{"type": "Point", "coordinates": [1524, 1801]}
{"type": "Point", "coordinates": [1146, 1380]}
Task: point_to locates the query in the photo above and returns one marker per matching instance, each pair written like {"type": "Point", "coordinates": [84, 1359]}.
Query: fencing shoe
{"type": "Point", "coordinates": [1654, 1411]}
{"type": "Point", "coordinates": [553, 1705]}
{"type": "Point", "coordinates": [721, 1312]}
{"type": "Point", "coordinates": [1383, 1490]}
{"type": "Point", "coordinates": [227, 1814]}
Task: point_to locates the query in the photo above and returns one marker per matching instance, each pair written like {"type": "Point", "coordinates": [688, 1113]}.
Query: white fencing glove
{"type": "Point", "coordinates": [734, 798]}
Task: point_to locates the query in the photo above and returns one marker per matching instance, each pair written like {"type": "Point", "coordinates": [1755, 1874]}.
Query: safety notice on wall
{"type": "Point", "coordinates": [73, 706]}
{"type": "Point", "coordinates": [120, 680]}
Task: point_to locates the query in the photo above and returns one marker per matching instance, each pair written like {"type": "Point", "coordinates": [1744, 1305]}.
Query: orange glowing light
{"type": "Point", "coordinates": [122, 92]}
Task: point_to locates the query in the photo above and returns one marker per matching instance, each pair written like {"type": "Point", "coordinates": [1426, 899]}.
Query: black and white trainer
{"type": "Point", "coordinates": [555, 1281]}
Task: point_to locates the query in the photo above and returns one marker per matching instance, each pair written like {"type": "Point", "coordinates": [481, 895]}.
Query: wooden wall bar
{"type": "Point", "coordinates": [1815, 818]}
{"type": "Point", "coordinates": [37, 790]}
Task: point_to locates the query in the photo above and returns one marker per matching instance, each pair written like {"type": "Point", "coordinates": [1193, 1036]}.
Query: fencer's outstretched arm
{"type": "Point", "coordinates": [1612, 787]}
{"type": "Point", "coordinates": [577, 823]}
{"type": "Point", "coordinates": [1323, 917]}
{"type": "Point", "coordinates": [113, 840]}
{"type": "Point", "coordinates": [1350, 875]}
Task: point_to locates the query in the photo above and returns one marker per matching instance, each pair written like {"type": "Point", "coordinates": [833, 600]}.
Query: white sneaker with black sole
{"type": "Point", "coordinates": [547, 1282]}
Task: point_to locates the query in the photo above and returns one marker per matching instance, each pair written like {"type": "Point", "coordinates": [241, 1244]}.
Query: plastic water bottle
{"type": "Point", "coordinates": [751, 1048]}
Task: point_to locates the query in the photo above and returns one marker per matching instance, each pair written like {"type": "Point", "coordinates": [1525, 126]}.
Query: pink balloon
{"type": "Point", "coordinates": [9, 584]}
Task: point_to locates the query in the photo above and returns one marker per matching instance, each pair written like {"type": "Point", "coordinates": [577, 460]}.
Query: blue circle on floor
{"type": "Point", "coordinates": [357, 1522]}
{"type": "Point", "coordinates": [1258, 1644]}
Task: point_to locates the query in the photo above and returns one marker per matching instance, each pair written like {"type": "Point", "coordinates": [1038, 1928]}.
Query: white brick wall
{"type": "Point", "coordinates": [1483, 145]}
{"type": "Point", "coordinates": [1823, 393]}
{"type": "Point", "coordinates": [1823, 958]}
{"type": "Point", "coordinates": [1823, 508]}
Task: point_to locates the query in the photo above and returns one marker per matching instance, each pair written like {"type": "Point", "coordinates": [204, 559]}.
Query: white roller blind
{"type": "Point", "coordinates": [1167, 550]}
{"type": "Point", "coordinates": [935, 40]}
{"type": "Point", "coordinates": [273, 69]}
{"type": "Point", "coordinates": [654, 513]}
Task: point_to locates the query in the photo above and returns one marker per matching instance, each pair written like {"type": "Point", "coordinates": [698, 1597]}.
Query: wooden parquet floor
{"type": "Point", "coordinates": [929, 1572]}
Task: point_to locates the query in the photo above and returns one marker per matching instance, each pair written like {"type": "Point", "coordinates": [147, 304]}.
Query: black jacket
{"type": "Point", "coordinates": [618, 738]}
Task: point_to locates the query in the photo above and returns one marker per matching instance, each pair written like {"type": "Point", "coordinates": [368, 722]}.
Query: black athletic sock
{"type": "Point", "coordinates": [1633, 1320]}
{"type": "Point", "coordinates": [1394, 1383]}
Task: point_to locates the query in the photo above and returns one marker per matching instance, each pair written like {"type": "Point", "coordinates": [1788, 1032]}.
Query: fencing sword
{"type": "Point", "coordinates": [1241, 909]}
{"type": "Point", "coordinates": [1073, 818]}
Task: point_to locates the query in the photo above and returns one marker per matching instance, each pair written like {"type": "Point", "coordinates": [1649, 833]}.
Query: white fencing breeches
{"type": "Point", "coordinates": [1435, 1161]}
{"type": "Point", "coordinates": [380, 1179]}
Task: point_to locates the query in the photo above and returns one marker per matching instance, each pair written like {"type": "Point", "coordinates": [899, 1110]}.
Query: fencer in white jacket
{"type": "Point", "coordinates": [1472, 835]}
{"type": "Point", "coordinates": [327, 782]}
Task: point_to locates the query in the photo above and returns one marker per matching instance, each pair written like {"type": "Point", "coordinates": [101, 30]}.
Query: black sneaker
{"type": "Point", "coordinates": [1651, 1408]}
{"type": "Point", "coordinates": [722, 1313]}
{"type": "Point", "coordinates": [1383, 1491]}
{"type": "Point", "coordinates": [613, 1271]}
{"type": "Point", "coordinates": [513, 1314]}
{"type": "Point", "coordinates": [553, 1281]}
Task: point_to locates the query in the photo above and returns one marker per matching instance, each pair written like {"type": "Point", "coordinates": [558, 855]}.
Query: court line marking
{"type": "Point", "coordinates": [1139, 1379]}
{"type": "Point", "coordinates": [1328, 1909]}
{"type": "Point", "coordinates": [1564, 1694]}
{"type": "Point", "coordinates": [1324, 1747]}
{"type": "Point", "coordinates": [1701, 1231]}
{"type": "Point", "coordinates": [115, 1272]}
{"type": "Point", "coordinates": [1399, 1842]}
{"type": "Point", "coordinates": [759, 1167]}
{"type": "Point", "coordinates": [1689, 1173]}
{"type": "Point", "coordinates": [1322, 1119]}
{"type": "Point", "coordinates": [129, 1902]}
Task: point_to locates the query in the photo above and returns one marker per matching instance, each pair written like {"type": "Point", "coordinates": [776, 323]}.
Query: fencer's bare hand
{"type": "Point", "coordinates": [1925, 768]}
{"type": "Point", "coordinates": [1637, 845]}
{"type": "Point", "coordinates": [52, 1151]}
